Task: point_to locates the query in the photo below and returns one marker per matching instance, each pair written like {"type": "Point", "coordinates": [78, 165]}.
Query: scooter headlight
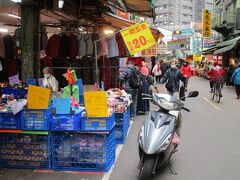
{"type": "Point", "coordinates": [165, 143]}
{"type": "Point", "coordinates": [140, 136]}
{"type": "Point", "coordinates": [167, 105]}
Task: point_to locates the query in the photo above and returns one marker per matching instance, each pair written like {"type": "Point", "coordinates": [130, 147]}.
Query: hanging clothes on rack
{"type": "Point", "coordinates": [73, 45]}
{"type": "Point", "coordinates": [112, 46]}
{"type": "Point", "coordinates": [43, 38]}
{"type": "Point", "coordinates": [9, 46]}
{"type": "Point", "coordinates": [105, 73]}
{"type": "Point", "coordinates": [53, 46]}
{"type": "Point", "coordinates": [103, 49]}
{"type": "Point", "coordinates": [121, 45]}
{"type": "Point", "coordinates": [12, 67]}
{"type": "Point", "coordinates": [65, 46]}
{"type": "Point", "coordinates": [114, 63]}
{"type": "Point", "coordinates": [82, 47]}
{"type": "Point", "coordinates": [2, 47]}
{"type": "Point", "coordinates": [4, 71]}
{"type": "Point", "coordinates": [46, 62]}
{"type": "Point", "coordinates": [89, 44]}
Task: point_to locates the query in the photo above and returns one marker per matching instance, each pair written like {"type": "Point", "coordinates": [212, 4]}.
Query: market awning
{"type": "Point", "coordinates": [225, 49]}
{"type": "Point", "coordinates": [228, 42]}
{"type": "Point", "coordinates": [138, 7]}
{"type": "Point", "coordinates": [209, 51]}
{"type": "Point", "coordinates": [122, 23]}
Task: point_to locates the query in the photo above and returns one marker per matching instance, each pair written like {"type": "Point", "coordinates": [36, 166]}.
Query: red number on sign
{"type": "Point", "coordinates": [143, 40]}
{"type": "Point", "coordinates": [136, 43]}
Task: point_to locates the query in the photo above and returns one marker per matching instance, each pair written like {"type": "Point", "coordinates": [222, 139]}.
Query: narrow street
{"type": "Point", "coordinates": [209, 147]}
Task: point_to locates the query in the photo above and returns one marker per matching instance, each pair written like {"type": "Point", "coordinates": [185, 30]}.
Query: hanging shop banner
{"type": "Point", "coordinates": [207, 24]}
{"type": "Point", "coordinates": [162, 49]}
{"type": "Point", "coordinates": [152, 51]}
{"type": "Point", "coordinates": [177, 44]}
{"type": "Point", "coordinates": [138, 37]}
{"type": "Point", "coordinates": [38, 98]}
{"type": "Point", "coordinates": [96, 104]}
{"type": "Point", "coordinates": [124, 15]}
{"type": "Point", "coordinates": [197, 57]}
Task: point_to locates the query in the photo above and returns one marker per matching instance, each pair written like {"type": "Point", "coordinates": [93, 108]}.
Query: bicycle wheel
{"type": "Point", "coordinates": [218, 97]}
{"type": "Point", "coordinates": [214, 91]}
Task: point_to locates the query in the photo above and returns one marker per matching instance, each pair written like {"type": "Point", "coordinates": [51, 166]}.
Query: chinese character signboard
{"type": "Point", "coordinates": [177, 44]}
{"type": "Point", "coordinates": [138, 37]}
{"type": "Point", "coordinates": [207, 24]}
{"type": "Point", "coordinates": [162, 49]}
{"type": "Point", "coordinates": [197, 57]}
{"type": "Point", "coordinates": [152, 51]}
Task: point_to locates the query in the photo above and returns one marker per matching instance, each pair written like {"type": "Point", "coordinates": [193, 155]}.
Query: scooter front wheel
{"type": "Point", "coordinates": [146, 168]}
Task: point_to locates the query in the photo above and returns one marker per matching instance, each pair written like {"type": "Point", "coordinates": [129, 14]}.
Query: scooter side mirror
{"type": "Point", "coordinates": [193, 94]}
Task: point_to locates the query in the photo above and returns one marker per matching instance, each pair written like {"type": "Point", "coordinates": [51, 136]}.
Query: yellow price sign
{"type": "Point", "coordinates": [197, 57]}
{"type": "Point", "coordinates": [138, 37]}
{"type": "Point", "coordinates": [38, 98]}
{"type": "Point", "coordinates": [96, 104]}
{"type": "Point", "coordinates": [207, 23]}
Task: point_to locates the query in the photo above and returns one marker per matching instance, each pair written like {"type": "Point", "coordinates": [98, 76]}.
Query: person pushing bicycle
{"type": "Point", "coordinates": [216, 76]}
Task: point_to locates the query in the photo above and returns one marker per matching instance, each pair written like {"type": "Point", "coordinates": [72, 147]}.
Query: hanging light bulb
{"type": "Point", "coordinates": [60, 4]}
{"type": "Point", "coordinates": [4, 30]}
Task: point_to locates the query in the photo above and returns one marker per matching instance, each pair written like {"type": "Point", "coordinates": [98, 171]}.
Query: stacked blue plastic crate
{"type": "Point", "coordinates": [122, 126]}
{"type": "Point", "coordinates": [83, 144]}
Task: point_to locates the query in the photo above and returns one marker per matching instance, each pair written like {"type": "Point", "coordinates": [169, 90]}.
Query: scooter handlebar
{"type": "Point", "coordinates": [186, 109]}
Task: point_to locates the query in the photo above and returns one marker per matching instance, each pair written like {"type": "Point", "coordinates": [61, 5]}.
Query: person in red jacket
{"type": "Point", "coordinates": [215, 74]}
{"type": "Point", "coordinates": [186, 71]}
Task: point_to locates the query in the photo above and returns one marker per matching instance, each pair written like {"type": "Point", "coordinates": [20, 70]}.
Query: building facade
{"type": "Point", "coordinates": [180, 14]}
{"type": "Point", "coordinates": [226, 17]}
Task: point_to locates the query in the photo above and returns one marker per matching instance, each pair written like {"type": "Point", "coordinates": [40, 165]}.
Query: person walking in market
{"type": "Point", "coordinates": [157, 72]}
{"type": "Point", "coordinates": [186, 71]}
{"type": "Point", "coordinates": [164, 67]}
{"type": "Point", "coordinates": [216, 76]}
{"type": "Point", "coordinates": [235, 79]}
{"type": "Point", "coordinates": [172, 78]}
{"type": "Point", "coordinates": [131, 78]}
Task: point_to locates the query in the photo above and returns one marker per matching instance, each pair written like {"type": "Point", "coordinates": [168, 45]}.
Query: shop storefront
{"type": "Point", "coordinates": [75, 121]}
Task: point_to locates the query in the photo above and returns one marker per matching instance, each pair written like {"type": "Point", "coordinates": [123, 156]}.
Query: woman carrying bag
{"type": "Point", "coordinates": [157, 72]}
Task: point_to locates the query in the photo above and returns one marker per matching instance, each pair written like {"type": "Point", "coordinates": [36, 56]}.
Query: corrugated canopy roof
{"type": "Point", "coordinates": [138, 7]}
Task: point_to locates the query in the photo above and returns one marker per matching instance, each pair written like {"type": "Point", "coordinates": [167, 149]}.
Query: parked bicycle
{"type": "Point", "coordinates": [217, 92]}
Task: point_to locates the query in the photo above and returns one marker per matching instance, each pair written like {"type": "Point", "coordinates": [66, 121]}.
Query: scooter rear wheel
{"type": "Point", "coordinates": [146, 168]}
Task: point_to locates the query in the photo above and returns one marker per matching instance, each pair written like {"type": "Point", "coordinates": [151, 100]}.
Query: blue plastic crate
{"type": "Point", "coordinates": [66, 122]}
{"type": "Point", "coordinates": [7, 90]}
{"type": "Point", "coordinates": [25, 151]}
{"type": "Point", "coordinates": [74, 151]}
{"type": "Point", "coordinates": [121, 117]}
{"type": "Point", "coordinates": [10, 121]}
{"type": "Point", "coordinates": [80, 86]}
{"type": "Point", "coordinates": [121, 133]}
{"type": "Point", "coordinates": [98, 124]}
{"type": "Point", "coordinates": [20, 93]}
{"type": "Point", "coordinates": [81, 100]}
{"type": "Point", "coordinates": [36, 119]}
{"type": "Point", "coordinates": [31, 81]}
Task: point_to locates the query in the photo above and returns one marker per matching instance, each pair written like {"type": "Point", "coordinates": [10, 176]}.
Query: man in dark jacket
{"type": "Point", "coordinates": [125, 78]}
{"type": "Point", "coordinates": [164, 67]}
{"type": "Point", "coordinates": [173, 77]}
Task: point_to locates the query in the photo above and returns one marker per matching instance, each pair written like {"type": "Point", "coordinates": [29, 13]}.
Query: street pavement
{"type": "Point", "coordinates": [209, 146]}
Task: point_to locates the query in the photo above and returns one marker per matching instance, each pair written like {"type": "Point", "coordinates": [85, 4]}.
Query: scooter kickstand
{"type": "Point", "coordinates": [171, 169]}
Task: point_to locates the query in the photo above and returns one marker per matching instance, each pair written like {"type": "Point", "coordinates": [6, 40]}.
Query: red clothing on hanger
{"type": "Point", "coordinates": [73, 45]}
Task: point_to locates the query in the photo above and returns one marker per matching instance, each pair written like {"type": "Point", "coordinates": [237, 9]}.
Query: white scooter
{"type": "Point", "coordinates": [159, 134]}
